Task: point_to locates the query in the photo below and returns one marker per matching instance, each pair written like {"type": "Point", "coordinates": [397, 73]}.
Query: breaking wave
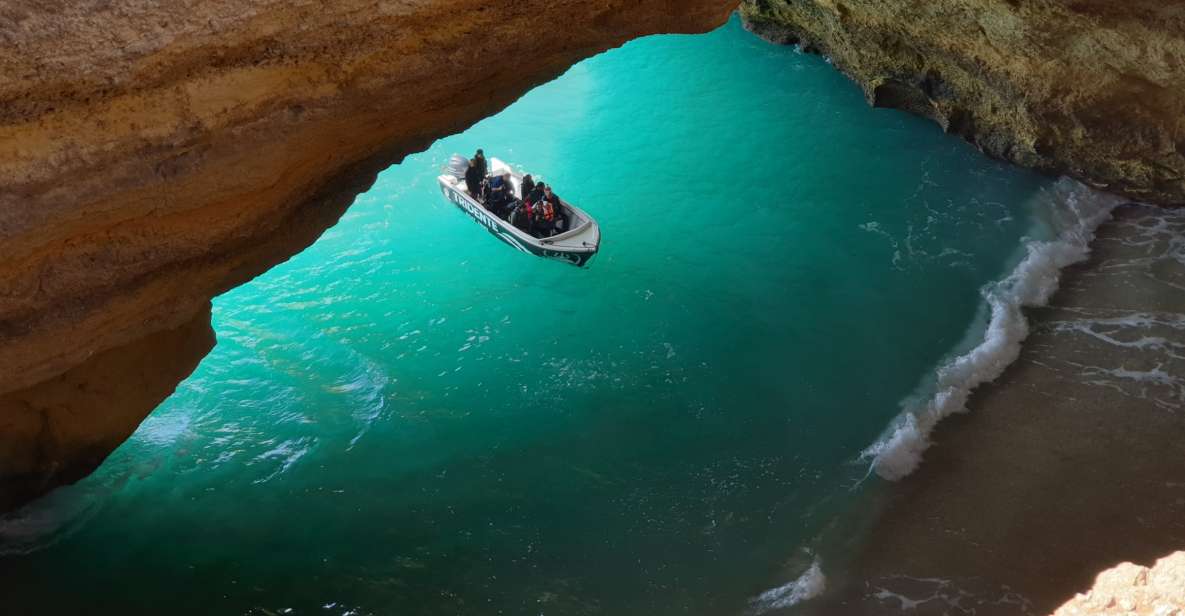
{"type": "Point", "coordinates": [1074, 214]}
{"type": "Point", "coordinates": [809, 585]}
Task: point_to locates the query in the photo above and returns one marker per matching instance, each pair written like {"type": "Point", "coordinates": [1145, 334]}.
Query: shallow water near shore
{"type": "Point", "coordinates": [1069, 463]}
{"type": "Point", "coordinates": [411, 417]}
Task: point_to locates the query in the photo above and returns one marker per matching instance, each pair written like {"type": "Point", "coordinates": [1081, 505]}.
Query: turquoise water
{"type": "Point", "coordinates": [413, 418]}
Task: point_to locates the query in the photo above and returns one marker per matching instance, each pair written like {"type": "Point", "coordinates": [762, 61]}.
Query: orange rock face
{"type": "Point", "coordinates": [61, 429]}
{"type": "Point", "coordinates": [154, 155]}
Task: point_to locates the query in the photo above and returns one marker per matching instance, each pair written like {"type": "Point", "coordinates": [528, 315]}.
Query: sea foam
{"type": "Point", "coordinates": [809, 585]}
{"type": "Point", "coordinates": [1073, 214]}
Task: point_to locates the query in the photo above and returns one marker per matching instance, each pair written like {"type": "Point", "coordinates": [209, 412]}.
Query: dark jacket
{"type": "Point", "coordinates": [500, 194]}
{"type": "Point", "coordinates": [527, 187]}
{"type": "Point", "coordinates": [481, 165]}
{"type": "Point", "coordinates": [473, 178]}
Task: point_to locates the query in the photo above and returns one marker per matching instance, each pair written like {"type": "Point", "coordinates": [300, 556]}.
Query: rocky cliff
{"type": "Point", "coordinates": [1134, 590]}
{"type": "Point", "coordinates": [1090, 88]}
{"type": "Point", "coordinates": [154, 155]}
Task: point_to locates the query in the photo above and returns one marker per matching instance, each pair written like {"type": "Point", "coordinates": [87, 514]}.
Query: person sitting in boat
{"type": "Point", "coordinates": [473, 178]}
{"type": "Point", "coordinates": [536, 201]}
{"type": "Point", "coordinates": [544, 219]}
{"type": "Point", "coordinates": [526, 211]}
{"type": "Point", "coordinates": [500, 195]}
{"type": "Point", "coordinates": [536, 194]}
{"type": "Point", "coordinates": [560, 219]}
{"type": "Point", "coordinates": [527, 186]}
{"type": "Point", "coordinates": [520, 216]}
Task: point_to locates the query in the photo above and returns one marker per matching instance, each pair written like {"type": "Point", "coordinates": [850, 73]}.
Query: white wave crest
{"type": "Point", "coordinates": [809, 585]}
{"type": "Point", "coordinates": [1075, 212]}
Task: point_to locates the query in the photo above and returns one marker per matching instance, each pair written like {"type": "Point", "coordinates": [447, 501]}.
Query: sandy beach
{"type": "Point", "coordinates": [1071, 462]}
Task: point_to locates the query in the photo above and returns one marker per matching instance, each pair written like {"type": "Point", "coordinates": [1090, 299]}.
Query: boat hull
{"type": "Point", "coordinates": [508, 234]}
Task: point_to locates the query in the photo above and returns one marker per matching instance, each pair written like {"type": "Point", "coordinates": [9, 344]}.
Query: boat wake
{"type": "Point", "coordinates": [1073, 214]}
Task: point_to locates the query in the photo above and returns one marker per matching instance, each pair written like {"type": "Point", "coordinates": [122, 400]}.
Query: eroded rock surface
{"type": "Point", "coordinates": [153, 155]}
{"type": "Point", "coordinates": [1132, 589]}
{"type": "Point", "coordinates": [63, 428]}
{"type": "Point", "coordinates": [1090, 88]}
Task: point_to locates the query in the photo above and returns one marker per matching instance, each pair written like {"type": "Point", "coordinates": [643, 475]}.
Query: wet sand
{"type": "Point", "coordinates": [1071, 462]}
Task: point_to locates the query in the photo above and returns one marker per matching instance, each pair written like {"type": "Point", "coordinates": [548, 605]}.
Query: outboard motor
{"type": "Point", "coordinates": [457, 165]}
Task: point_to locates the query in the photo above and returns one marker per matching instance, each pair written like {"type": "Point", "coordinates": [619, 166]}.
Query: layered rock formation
{"type": "Point", "coordinates": [153, 155]}
{"type": "Point", "coordinates": [1090, 88]}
